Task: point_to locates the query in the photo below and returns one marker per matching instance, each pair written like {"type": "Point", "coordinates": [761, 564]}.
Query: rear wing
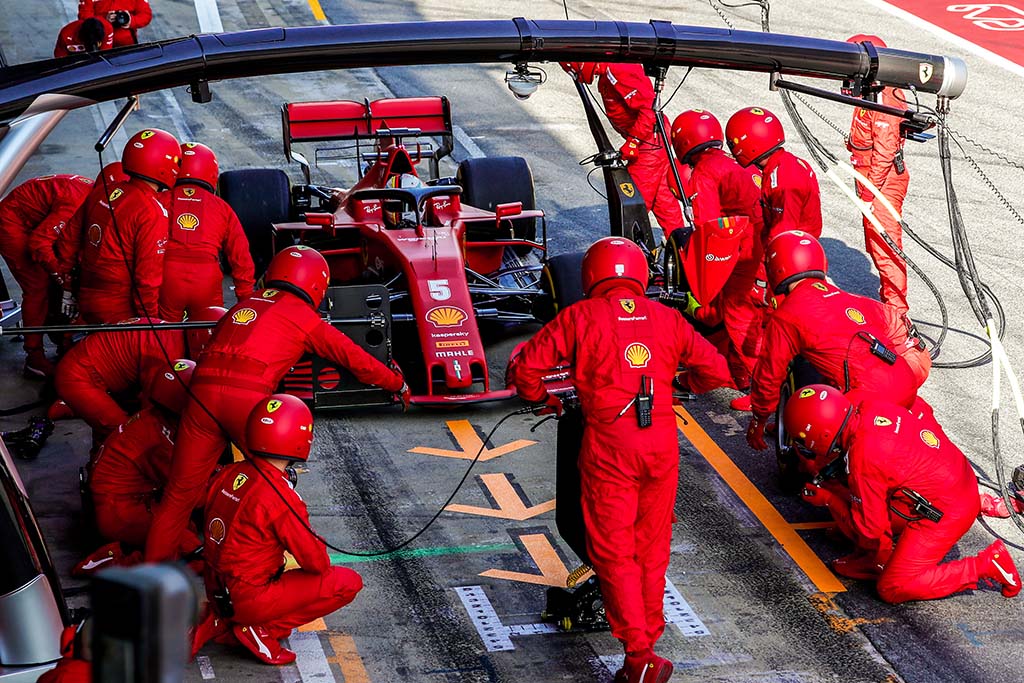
{"type": "Point", "coordinates": [397, 117]}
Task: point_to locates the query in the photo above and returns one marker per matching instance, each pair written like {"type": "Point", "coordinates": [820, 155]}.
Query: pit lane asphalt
{"type": "Point", "coordinates": [365, 489]}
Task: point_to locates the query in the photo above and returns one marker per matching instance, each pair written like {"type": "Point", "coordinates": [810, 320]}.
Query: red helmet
{"type": "Point", "coordinates": [153, 155]}
{"type": "Point", "coordinates": [815, 415]}
{"type": "Point", "coordinates": [753, 134]}
{"type": "Point", "coordinates": [300, 268]}
{"type": "Point", "coordinates": [196, 339]}
{"type": "Point", "coordinates": [794, 255]}
{"type": "Point", "coordinates": [280, 426]}
{"type": "Point", "coordinates": [582, 71]}
{"type": "Point", "coordinates": [167, 388]}
{"type": "Point", "coordinates": [613, 258]}
{"type": "Point", "coordinates": [866, 38]}
{"type": "Point", "coordinates": [113, 172]}
{"type": "Point", "coordinates": [694, 131]}
{"type": "Point", "coordinates": [198, 165]}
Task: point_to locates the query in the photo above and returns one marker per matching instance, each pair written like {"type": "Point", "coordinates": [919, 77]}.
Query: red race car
{"type": "Point", "coordinates": [408, 250]}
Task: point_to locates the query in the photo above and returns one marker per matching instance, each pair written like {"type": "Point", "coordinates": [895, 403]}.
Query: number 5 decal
{"type": "Point", "coordinates": [439, 290]}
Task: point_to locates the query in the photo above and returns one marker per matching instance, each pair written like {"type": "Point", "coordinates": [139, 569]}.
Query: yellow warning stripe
{"type": "Point", "coordinates": [318, 11]}
{"type": "Point", "coordinates": [784, 533]}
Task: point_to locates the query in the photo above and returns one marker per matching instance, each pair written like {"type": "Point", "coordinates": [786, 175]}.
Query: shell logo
{"type": "Point", "coordinates": [188, 221]}
{"type": "Point", "coordinates": [243, 316]}
{"type": "Point", "coordinates": [637, 355]}
{"type": "Point", "coordinates": [95, 235]}
{"type": "Point", "coordinates": [855, 315]}
{"type": "Point", "coordinates": [272, 405]}
{"type": "Point", "coordinates": [180, 365]}
{"type": "Point", "coordinates": [239, 482]}
{"type": "Point", "coordinates": [929, 438]}
{"type": "Point", "coordinates": [806, 392]}
{"type": "Point", "coordinates": [116, 194]}
{"type": "Point", "coordinates": [446, 316]}
{"type": "Point", "coordinates": [218, 532]}
{"type": "Point", "coordinates": [146, 134]}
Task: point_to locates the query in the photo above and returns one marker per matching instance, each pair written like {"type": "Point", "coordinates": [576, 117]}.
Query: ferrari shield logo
{"type": "Point", "coordinates": [270, 293]}
{"type": "Point", "coordinates": [627, 189]}
{"type": "Point", "coordinates": [180, 365]}
{"type": "Point", "coordinates": [925, 72]}
{"type": "Point", "coordinates": [116, 194]}
{"type": "Point", "coordinates": [628, 305]}
{"type": "Point", "coordinates": [756, 177]}
{"type": "Point", "coordinates": [146, 134]}
{"type": "Point", "coordinates": [806, 392]}
{"type": "Point", "coordinates": [855, 315]}
{"type": "Point", "coordinates": [820, 286]}
{"type": "Point", "coordinates": [189, 191]}
{"type": "Point", "coordinates": [239, 482]}
{"type": "Point", "coordinates": [273, 405]}
{"type": "Point", "coordinates": [929, 438]}
{"type": "Point", "coordinates": [882, 421]}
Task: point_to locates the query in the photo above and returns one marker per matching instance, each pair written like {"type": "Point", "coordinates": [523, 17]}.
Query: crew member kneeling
{"type": "Point", "coordinates": [900, 461]}
{"type": "Point", "coordinates": [624, 350]}
{"type": "Point", "coordinates": [253, 516]}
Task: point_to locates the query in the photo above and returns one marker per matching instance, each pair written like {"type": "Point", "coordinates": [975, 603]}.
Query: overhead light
{"type": "Point", "coordinates": [524, 80]}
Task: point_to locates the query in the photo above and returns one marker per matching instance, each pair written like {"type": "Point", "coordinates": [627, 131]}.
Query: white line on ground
{"type": "Point", "coordinates": [467, 143]}
{"type": "Point", "coordinates": [184, 131]}
{"type": "Point", "coordinates": [205, 667]}
{"type": "Point", "coordinates": [209, 16]}
{"type": "Point", "coordinates": [679, 612]}
{"type": "Point", "coordinates": [310, 658]}
{"type": "Point", "coordinates": [487, 623]}
{"type": "Point", "coordinates": [987, 55]}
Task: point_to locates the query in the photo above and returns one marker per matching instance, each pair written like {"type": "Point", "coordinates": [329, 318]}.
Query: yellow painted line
{"type": "Point", "coordinates": [784, 533]}
{"type": "Point", "coordinates": [317, 625]}
{"type": "Point", "coordinates": [318, 11]}
{"type": "Point", "coordinates": [346, 656]}
{"type": "Point", "coordinates": [544, 555]}
{"type": "Point", "coordinates": [510, 503]}
{"type": "Point", "coordinates": [470, 444]}
{"type": "Point", "coordinates": [811, 526]}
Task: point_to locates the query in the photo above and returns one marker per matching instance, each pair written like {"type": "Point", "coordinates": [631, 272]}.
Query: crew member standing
{"type": "Point", "coordinates": [126, 16]}
{"type": "Point", "coordinates": [252, 349]}
{"type": "Point", "coordinates": [628, 98]}
{"type": "Point", "coordinates": [624, 350]}
{"type": "Point", "coordinates": [876, 151]}
{"type": "Point", "coordinates": [118, 239]}
{"type": "Point", "coordinates": [31, 218]}
{"type": "Point", "coordinates": [853, 341]}
{"type": "Point", "coordinates": [253, 516]}
{"type": "Point", "coordinates": [790, 196]}
{"type": "Point", "coordinates": [897, 459]}
{"type": "Point", "coordinates": [202, 227]}
{"type": "Point", "coordinates": [721, 187]}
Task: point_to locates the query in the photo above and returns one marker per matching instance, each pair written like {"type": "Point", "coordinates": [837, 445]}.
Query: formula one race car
{"type": "Point", "coordinates": [406, 247]}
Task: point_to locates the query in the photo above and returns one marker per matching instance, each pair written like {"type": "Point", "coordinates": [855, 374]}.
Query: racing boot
{"type": "Point", "coordinates": [210, 628]}
{"type": "Point", "coordinates": [994, 562]}
{"type": "Point", "coordinates": [258, 641]}
{"type": "Point", "coordinates": [110, 555]}
{"type": "Point", "coordinates": [59, 410]}
{"type": "Point", "coordinates": [26, 443]}
{"type": "Point", "coordinates": [742, 404]}
{"type": "Point", "coordinates": [860, 564]}
{"type": "Point", "coordinates": [995, 506]}
{"type": "Point", "coordinates": [644, 667]}
{"type": "Point", "coordinates": [37, 365]}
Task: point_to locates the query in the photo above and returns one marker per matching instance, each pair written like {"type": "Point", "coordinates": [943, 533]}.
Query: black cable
{"type": "Point", "coordinates": [23, 408]}
{"type": "Point", "coordinates": [592, 185]}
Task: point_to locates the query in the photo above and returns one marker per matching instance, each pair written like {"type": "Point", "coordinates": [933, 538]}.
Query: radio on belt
{"type": "Point", "coordinates": [644, 399]}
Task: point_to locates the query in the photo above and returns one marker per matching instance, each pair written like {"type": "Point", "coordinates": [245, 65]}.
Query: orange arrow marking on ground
{"type": "Point", "coordinates": [511, 503]}
{"type": "Point", "coordinates": [470, 443]}
{"type": "Point", "coordinates": [544, 555]}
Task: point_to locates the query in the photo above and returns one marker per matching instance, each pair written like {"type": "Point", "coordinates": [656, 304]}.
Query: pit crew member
{"type": "Point", "coordinates": [624, 350]}
{"type": "Point", "coordinates": [84, 35]}
{"type": "Point", "coordinates": [126, 16]}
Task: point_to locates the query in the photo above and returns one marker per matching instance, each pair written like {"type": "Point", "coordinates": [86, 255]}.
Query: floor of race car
{"type": "Point", "coordinates": [751, 598]}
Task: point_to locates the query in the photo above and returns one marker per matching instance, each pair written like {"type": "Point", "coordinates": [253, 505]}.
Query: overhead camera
{"type": "Point", "coordinates": [524, 80]}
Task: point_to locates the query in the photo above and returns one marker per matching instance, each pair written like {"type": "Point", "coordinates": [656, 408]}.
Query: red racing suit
{"type": "Point", "coordinates": [790, 196]}
{"type": "Point", "coordinates": [628, 100]}
{"type": "Point", "coordinates": [110, 258]}
{"type": "Point", "coordinates": [31, 218]}
{"type": "Point", "coordinates": [111, 362]}
{"type": "Point", "coordinates": [876, 149]}
{"type": "Point", "coordinates": [832, 329]}
{"type": "Point", "coordinates": [721, 188]}
{"type": "Point", "coordinates": [252, 349]}
{"type": "Point", "coordinates": [128, 474]}
{"type": "Point", "coordinates": [888, 449]}
{"type": "Point", "coordinates": [69, 42]}
{"type": "Point", "coordinates": [249, 526]}
{"type": "Point", "coordinates": [139, 10]}
{"type": "Point", "coordinates": [202, 225]}
{"type": "Point", "coordinates": [628, 474]}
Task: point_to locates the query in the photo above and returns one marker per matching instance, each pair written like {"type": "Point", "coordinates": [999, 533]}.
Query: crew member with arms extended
{"type": "Point", "coordinates": [32, 215]}
{"type": "Point", "coordinates": [117, 240]}
{"type": "Point", "coordinates": [876, 150]}
{"type": "Point", "coordinates": [628, 98]}
{"type": "Point", "coordinates": [624, 350]}
{"type": "Point", "coordinates": [790, 197]}
{"type": "Point", "coordinates": [721, 187]}
{"type": "Point", "coordinates": [853, 341]}
{"type": "Point", "coordinates": [202, 227]}
{"type": "Point", "coordinates": [253, 516]}
{"type": "Point", "coordinates": [902, 463]}
{"type": "Point", "coordinates": [126, 16]}
{"type": "Point", "coordinates": [252, 349]}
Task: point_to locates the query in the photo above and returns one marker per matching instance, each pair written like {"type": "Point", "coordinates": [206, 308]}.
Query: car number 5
{"type": "Point", "coordinates": [439, 290]}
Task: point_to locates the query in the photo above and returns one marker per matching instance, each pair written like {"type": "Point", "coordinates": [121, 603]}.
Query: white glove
{"type": "Point", "coordinates": [69, 305]}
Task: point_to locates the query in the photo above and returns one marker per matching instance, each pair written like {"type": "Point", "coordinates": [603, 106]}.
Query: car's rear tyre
{"type": "Point", "coordinates": [260, 197]}
{"type": "Point", "coordinates": [489, 181]}
{"type": "Point", "coordinates": [561, 283]}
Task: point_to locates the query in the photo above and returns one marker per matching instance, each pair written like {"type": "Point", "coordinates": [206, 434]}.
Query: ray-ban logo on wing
{"type": "Point", "coordinates": [637, 355]}
{"type": "Point", "coordinates": [446, 316]}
